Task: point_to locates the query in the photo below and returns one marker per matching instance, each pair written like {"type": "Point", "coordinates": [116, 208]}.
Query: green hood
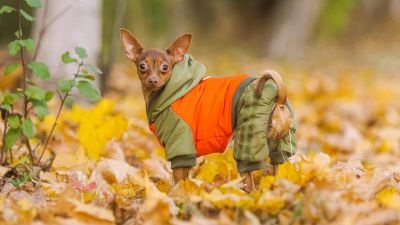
{"type": "Point", "coordinates": [185, 76]}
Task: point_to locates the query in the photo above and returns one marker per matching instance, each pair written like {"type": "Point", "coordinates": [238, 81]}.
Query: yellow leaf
{"type": "Point", "coordinates": [97, 126]}
{"type": "Point", "coordinates": [207, 172]}
{"type": "Point", "coordinates": [92, 211]}
{"type": "Point", "coordinates": [389, 197]}
{"type": "Point", "coordinates": [270, 202]}
{"type": "Point", "coordinates": [70, 159]}
{"type": "Point", "coordinates": [384, 147]}
{"type": "Point", "coordinates": [221, 165]}
{"type": "Point", "coordinates": [126, 190]}
{"type": "Point", "coordinates": [88, 196]}
{"type": "Point", "coordinates": [266, 182]}
{"type": "Point", "coordinates": [155, 211]}
{"type": "Point", "coordinates": [289, 172]}
{"type": "Point", "coordinates": [24, 204]}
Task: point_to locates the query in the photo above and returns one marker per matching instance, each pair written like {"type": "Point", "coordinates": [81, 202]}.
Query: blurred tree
{"type": "Point", "coordinates": [395, 10]}
{"type": "Point", "coordinates": [62, 25]}
{"type": "Point", "coordinates": [7, 25]}
{"type": "Point", "coordinates": [113, 15]}
{"type": "Point", "coordinates": [335, 17]}
{"type": "Point", "coordinates": [292, 25]}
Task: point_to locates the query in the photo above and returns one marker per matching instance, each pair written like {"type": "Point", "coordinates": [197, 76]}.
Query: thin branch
{"type": "Point", "coordinates": [21, 51]}
{"type": "Point", "coordinates": [36, 147]}
{"type": "Point", "coordinates": [11, 157]}
{"type": "Point", "coordinates": [44, 27]}
{"type": "Point", "coordinates": [59, 95]}
{"type": "Point", "coordinates": [3, 146]}
{"type": "Point", "coordinates": [30, 108]}
{"type": "Point", "coordinates": [24, 70]}
{"type": "Point", "coordinates": [58, 115]}
{"type": "Point", "coordinates": [28, 145]}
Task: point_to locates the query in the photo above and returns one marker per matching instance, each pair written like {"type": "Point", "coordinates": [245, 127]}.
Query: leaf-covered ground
{"type": "Point", "coordinates": [110, 170]}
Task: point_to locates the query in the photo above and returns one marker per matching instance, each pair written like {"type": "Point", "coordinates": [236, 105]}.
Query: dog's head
{"type": "Point", "coordinates": [154, 66]}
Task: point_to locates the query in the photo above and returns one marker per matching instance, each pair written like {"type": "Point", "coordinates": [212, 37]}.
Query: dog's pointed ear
{"type": "Point", "coordinates": [178, 49]}
{"type": "Point", "coordinates": [131, 45]}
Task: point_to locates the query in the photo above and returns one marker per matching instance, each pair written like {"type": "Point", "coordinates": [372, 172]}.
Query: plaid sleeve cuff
{"type": "Point", "coordinates": [278, 157]}
{"type": "Point", "coordinates": [248, 166]}
{"type": "Point", "coordinates": [183, 161]}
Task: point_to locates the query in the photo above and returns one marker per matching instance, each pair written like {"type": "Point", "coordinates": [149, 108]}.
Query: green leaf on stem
{"type": "Point", "coordinates": [14, 47]}
{"type": "Point", "coordinates": [41, 108]}
{"type": "Point", "coordinates": [66, 58]}
{"type": "Point", "coordinates": [26, 15]}
{"type": "Point", "coordinates": [88, 77]}
{"type": "Point", "coordinates": [9, 98]}
{"type": "Point", "coordinates": [34, 3]}
{"type": "Point", "coordinates": [28, 129]}
{"type": "Point", "coordinates": [88, 90]}
{"type": "Point", "coordinates": [31, 82]}
{"type": "Point", "coordinates": [27, 43]}
{"type": "Point", "coordinates": [66, 85]}
{"type": "Point", "coordinates": [10, 68]}
{"type": "Point", "coordinates": [93, 69]}
{"type": "Point", "coordinates": [84, 72]}
{"type": "Point", "coordinates": [6, 9]}
{"type": "Point", "coordinates": [40, 70]}
{"type": "Point", "coordinates": [6, 107]}
{"type": "Point", "coordinates": [35, 93]}
{"type": "Point", "coordinates": [12, 137]}
{"type": "Point", "coordinates": [13, 121]}
{"type": "Point", "coordinates": [17, 34]}
{"type": "Point", "coordinates": [49, 95]}
{"type": "Point", "coordinates": [15, 182]}
{"type": "Point", "coordinates": [69, 102]}
{"type": "Point", "coordinates": [81, 52]}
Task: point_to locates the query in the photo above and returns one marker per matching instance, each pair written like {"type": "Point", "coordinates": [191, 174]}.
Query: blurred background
{"type": "Point", "coordinates": [339, 58]}
{"type": "Point", "coordinates": [229, 36]}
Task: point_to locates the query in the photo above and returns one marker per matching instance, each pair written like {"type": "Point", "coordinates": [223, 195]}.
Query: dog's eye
{"type": "Point", "coordinates": [164, 68]}
{"type": "Point", "coordinates": [142, 67]}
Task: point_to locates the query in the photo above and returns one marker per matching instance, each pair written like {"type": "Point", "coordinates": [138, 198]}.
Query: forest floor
{"type": "Point", "coordinates": [109, 169]}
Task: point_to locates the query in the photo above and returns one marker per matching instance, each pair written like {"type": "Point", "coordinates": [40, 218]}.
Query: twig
{"type": "Point", "coordinates": [44, 27]}
{"type": "Point", "coordinates": [59, 95]}
{"type": "Point", "coordinates": [3, 146]}
{"type": "Point", "coordinates": [11, 157]}
{"type": "Point", "coordinates": [50, 162]}
{"type": "Point", "coordinates": [21, 52]}
{"type": "Point", "coordinates": [58, 115]}
{"type": "Point", "coordinates": [30, 108]}
{"type": "Point", "coordinates": [28, 145]}
{"type": "Point", "coordinates": [36, 147]}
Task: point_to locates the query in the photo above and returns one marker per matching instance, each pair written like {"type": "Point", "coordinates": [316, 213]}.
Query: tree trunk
{"type": "Point", "coordinates": [68, 24]}
{"type": "Point", "coordinates": [292, 25]}
{"type": "Point", "coordinates": [394, 10]}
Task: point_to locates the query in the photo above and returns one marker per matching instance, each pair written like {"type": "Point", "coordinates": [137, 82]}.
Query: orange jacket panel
{"type": "Point", "coordinates": [207, 109]}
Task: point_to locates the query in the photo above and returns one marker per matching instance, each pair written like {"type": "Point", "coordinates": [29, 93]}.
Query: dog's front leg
{"type": "Point", "coordinates": [180, 173]}
{"type": "Point", "coordinates": [248, 182]}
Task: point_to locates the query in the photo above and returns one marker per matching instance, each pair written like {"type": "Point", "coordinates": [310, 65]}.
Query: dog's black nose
{"type": "Point", "coordinates": [153, 80]}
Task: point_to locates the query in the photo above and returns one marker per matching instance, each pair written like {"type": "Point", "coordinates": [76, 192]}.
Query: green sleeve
{"type": "Point", "coordinates": [177, 138]}
{"type": "Point", "coordinates": [286, 147]}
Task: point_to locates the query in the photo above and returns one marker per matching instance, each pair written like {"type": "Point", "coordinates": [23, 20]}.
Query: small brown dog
{"type": "Point", "coordinates": [192, 115]}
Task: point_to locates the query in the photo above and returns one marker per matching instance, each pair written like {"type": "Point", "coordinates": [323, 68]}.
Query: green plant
{"type": "Point", "coordinates": [18, 122]}
{"type": "Point", "coordinates": [22, 179]}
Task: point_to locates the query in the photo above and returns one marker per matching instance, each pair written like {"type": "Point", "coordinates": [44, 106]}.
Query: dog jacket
{"type": "Point", "coordinates": [193, 116]}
